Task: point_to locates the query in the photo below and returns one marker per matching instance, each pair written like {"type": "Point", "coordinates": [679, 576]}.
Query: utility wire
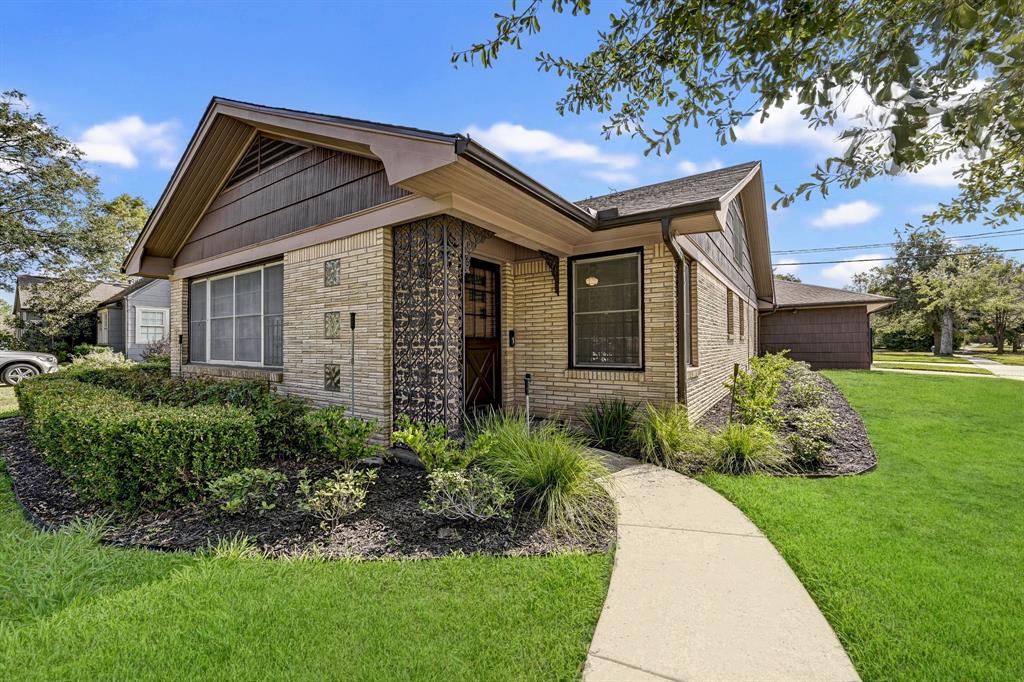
{"type": "Point", "coordinates": [875, 260]}
{"type": "Point", "coordinates": [978, 235]}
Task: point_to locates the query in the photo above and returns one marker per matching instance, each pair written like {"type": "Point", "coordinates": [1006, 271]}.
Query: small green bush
{"type": "Point", "coordinates": [664, 436]}
{"type": "Point", "coordinates": [472, 494]}
{"type": "Point", "coordinates": [341, 438]}
{"type": "Point", "coordinates": [87, 348]}
{"type": "Point", "coordinates": [333, 498]}
{"type": "Point", "coordinates": [747, 449]}
{"type": "Point", "coordinates": [814, 429]}
{"type": "Point", "coordinates": [552, 470]}
{"type": "Point", "coordinates": [756, 391]}
{"type": "Point", "coordinates": [803, 390]}
{"type": "Point", "coordinates": [431, 444]}
{"type": "Point", "coordinates": [100, 358]}
{"type": "Point", "coordinates": [247, 490]}
{"type": "Point", "coordinates": [611, 423]}
{"type": "Point", "coordinates": [119, 450]}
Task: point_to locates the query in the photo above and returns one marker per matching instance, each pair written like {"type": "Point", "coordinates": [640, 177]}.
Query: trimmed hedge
{"type": "Point", "coordinates": [279, 419]}
{"type": "Point", "coordinates": [129, 453]}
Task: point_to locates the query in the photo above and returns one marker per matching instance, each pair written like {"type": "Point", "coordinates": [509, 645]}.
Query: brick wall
{"type": "Point", "coordinates": [540, 319]}
{"type": "Point", "coordinates": [179, 324]}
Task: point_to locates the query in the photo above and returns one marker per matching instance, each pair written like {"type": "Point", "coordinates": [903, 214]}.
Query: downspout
{"type": "Point", "coordinates": [680, 259]}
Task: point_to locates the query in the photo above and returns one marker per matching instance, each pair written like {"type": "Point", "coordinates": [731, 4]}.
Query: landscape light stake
{"type": "Point", "coordinates": [732, 389]}
{"type": "Point", "coordinates": [527, 380]}
{"type": "Point", "coordinates": [352, 359]}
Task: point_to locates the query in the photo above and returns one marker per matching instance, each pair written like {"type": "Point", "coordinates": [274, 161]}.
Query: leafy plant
{"type": "Point", "coordinates": [755, 391]}
{"type": "Point", "coordinates": [664, 436]}
{"type": "Point", "coordinates": [814, 429]}
{"type": "Point", "coordinates": [246, 490]}
{"type": "Point", "coordinates": [333, 498]}
{"type": "Point", "coordinates": [344, 439]}
{"type": "Point", "coordinates": [611, 422]}
{"type": "Point", "coordinates": [747, 449]}
{"type": "Point", "coordinates": [431, 444]}
{"type": "Point", "coordinates": [99, 358]}
{"type": "Point", "coordinates": [471, 494]}
{"type": "Point", "coordinates": [552, 470]}
{"type": "Point", "coordinates": [802, 389]}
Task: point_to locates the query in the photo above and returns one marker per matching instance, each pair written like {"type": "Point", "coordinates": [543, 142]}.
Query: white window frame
{"type": "Point", "coordinates": [638, 256]}
{"type": "Point", "coordinates": [209, 327]}
{"type": "Point", "coordinates": [166, 312]}
{"type": "Point", "coordinates": [103, 331]}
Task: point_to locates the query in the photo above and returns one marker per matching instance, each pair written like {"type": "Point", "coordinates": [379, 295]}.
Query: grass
{"type": "Point", "coordinates": [1007, 358]}
{"type": "Point", "coordinates": [8, 403]}
{"type": "Point", "coordinates": [955, 369]}
{"type": "Point", "coordinates": [917, 565]}
{"type": "Point", "coordinates": [73, 609]}
{"type": "Point", "coordinates": [916, 356]}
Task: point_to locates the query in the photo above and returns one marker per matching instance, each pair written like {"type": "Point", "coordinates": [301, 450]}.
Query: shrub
{"type": "Point", "coordinates": [86, 348]}
{"type": "Point", "coordinates": [552, 469]}
{"type": "Point", "coordinates": [664, 436]}
{"type": "Point", "coordinates": [100, 358]}
{"type": "Point", "coordinates": [157, 351]}
{"type": "Point", "coordinates": [118, 450]}
{"type": "Point", "coordinates": [814, 429]}
{"type": "Point", "coordinates": [802, 389]}
{"type": "Point", "coordinates": [472, 494]}
{"type": "Point", "coordinates": [341, 438]}
{"type": "Point", "coordinates": [611, 422]}
{"type": "Point", "coordinates": [247, 490]}
{"type": "Point", "coordinates": [333, 498]}
{"type": "Point", "coordinates": [747, 449]}
{"type": "Point", "coordinates": [431, 444]}
{"type": "Point", "coordinates": [755, 391]}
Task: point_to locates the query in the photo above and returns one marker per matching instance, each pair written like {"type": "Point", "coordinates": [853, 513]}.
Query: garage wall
{"type": "Point", "coordinates": [836, 338]}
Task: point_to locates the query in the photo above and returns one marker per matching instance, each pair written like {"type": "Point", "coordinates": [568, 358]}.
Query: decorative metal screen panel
{"type": "Point", "coordinates": [332, 273]}
{"type": "Point", "coordinates": [332, 378]}
{"type": "Point", "coordinates": [332, 325]}
{"type": "Point", "coordinates": [431, 257]}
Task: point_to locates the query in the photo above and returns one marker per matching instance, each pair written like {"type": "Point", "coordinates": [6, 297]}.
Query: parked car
{"type": "Point", "coordinates": [16, 366]}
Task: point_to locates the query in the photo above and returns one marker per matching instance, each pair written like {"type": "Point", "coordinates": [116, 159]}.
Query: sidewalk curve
{"type": "Point", "coordinates": [698, 593]}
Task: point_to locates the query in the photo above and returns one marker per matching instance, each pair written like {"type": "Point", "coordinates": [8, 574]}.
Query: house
{"type": "Point", "coordinates": [396, 270]}
{"type": "Point", "coordinates": [26, 310]}
{"type": "Point", "coordinates": [825, 327]}
{"type": "Point", "coordinates": [135, 317]}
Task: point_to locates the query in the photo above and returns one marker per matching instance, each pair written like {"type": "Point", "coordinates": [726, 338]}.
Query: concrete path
{"type": "Point", "coordinates": [934, 373]}
{"type": "Point", "coordinates": [698, 593]}
{"type": "Point", "coordinates": [999, 369]}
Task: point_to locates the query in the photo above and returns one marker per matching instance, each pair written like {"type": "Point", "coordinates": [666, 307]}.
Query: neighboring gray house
{"type": "Point", "coordinates": [136, 316]}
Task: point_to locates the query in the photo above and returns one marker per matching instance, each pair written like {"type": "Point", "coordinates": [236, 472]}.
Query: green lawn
{"type": "Point", "coordinates": [72, 609]}
{"type": "Point", "coordinates": [917, 565]}
{"type": "Point", "coordinates": [915, 356]}
{"type": "Point", "coordinates": [8, 403]}
{"type": "Point", "coordinates": [1007, 358]}
{"type": "Point", "coordinates": [955, 369]}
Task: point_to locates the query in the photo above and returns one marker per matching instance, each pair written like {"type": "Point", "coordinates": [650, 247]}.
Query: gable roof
{"type": "Point", "coordinates": [799, 295]}
{"type": "Point", "coordinates": [140, 283]}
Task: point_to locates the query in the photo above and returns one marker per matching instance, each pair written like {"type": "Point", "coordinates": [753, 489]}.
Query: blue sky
{"type": "Point", "coordinates": [129, 81]}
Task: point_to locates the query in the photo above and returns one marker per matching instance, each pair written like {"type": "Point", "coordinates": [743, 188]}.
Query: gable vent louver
{"type": "Point", "coordinates": [263, 153]}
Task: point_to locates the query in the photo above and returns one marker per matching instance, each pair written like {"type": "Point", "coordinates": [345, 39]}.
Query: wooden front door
{"type": "Point", "coordinates": [482, 325]}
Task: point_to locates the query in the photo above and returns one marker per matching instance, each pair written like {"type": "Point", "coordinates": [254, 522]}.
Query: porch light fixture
{"type": "Point", "coordinates": [591, 281]}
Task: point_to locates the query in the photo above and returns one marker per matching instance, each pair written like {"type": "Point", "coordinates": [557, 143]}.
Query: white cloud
{"type": "Point", "coordinates": [691, 167]}
{"type": "Point", "coordinates": [513, 139]}
{"type": "Point", "coordinates": [121, 142]}
{"type": "Point", "coordinates": [787, 266]}
{"type": "Point", "coordinates": [612, 176]}
{"type": "Point", "coordinates": [841, 274]}
{"type": "Point", "coordinates": [850, 213]}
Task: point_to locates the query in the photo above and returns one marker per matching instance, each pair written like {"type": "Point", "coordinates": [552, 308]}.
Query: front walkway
{"type": "Point", "coordinates": [997, 368]}
{"type": "Point", "coordinates": [698, 593]}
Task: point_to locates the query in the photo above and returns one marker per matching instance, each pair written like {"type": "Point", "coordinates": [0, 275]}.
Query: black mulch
{"type": "Point", "coordinates": [391, 525]}
{"type": "Point", "coordinates": [850, 452]}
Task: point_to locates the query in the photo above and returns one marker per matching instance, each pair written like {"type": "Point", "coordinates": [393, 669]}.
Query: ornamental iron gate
{"type": "Point", "coordinates": [431, 257]}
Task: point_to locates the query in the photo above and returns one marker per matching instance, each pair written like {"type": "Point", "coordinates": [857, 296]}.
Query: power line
{"type": "Point", "coordinates": [875, 260]}
{"type": "Point", "coordinates": [978, 235]}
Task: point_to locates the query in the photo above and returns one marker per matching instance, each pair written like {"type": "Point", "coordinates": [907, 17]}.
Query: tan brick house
{"type": "Point", "coordinates": [395, 270]}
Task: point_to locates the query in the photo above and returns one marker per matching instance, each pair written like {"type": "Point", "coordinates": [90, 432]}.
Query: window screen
{"type": "Point", "coordinates": [606, 311]}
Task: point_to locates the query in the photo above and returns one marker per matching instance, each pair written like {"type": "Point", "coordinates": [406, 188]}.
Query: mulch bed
{"type": "Point", "coordinates": [850, 452]}
{"type": "Point", "coordinates": [391, 525]}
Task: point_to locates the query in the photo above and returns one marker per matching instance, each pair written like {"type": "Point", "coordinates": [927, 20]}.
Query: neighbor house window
{"type": "Point", "coordinates": [152, 324]}
{"type": "Point", "coordinates": [606, 311]}
{"type": "Point", "coordinates": [237, 318]}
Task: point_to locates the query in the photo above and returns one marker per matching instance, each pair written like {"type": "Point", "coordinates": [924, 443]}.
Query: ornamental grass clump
{"type": "Point", "coordinates": [611, 423]}
{"type": "Point", "coordinates": [663, 435]}
{"type": "Point", "coordinates": [747, 449]}
{"type": "Point", "coordinates": [551, 470]}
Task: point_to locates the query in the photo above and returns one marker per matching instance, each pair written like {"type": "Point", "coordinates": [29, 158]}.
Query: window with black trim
{"type": "Point", "coordinates": [606, 311]}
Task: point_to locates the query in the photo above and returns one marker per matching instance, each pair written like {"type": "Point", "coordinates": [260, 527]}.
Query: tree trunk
{"type": "Point", "coordinates": [1000, 343]}
{"type": "Point", "coordinates": [946, 341]}
{"type": "Point", "coordinates": [936, 340]}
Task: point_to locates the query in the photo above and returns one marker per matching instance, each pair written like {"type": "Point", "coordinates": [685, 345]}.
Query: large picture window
{"type": "Point", "coordinates": [606, 304]}
{"type": "Point", "coordinates": [236, 318]}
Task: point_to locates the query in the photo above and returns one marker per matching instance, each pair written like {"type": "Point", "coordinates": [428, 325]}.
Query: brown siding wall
{"type": "Point", "coordinates": [824, 337]}
{"type": "Point", "coordinates": [309, 189]}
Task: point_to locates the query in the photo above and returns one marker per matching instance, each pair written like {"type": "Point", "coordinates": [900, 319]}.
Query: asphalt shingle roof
{"type": "Point", "coordinates": [799, 295]}
{"type": "Point", "coordinates": [692, 189]}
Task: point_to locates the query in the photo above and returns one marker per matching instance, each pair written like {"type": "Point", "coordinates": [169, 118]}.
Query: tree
{"type": "Point", "coordinates": [1001, 311]}
{"type": "Point", "coordinates": [943, 79]}
{"type": "Point", "coordinates": [951, 290]}
{"type": "Point", "coordinates": [113, 228]}
{"type": "Point", "coordinates": [785, 276]}
{"type": "Point", "coordinates": [64, 309]}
